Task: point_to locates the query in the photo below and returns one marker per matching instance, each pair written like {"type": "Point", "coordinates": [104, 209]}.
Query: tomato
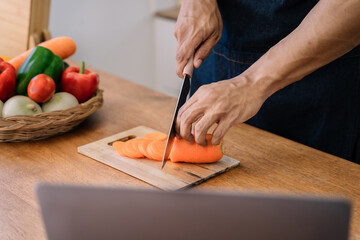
{"type": "Point", "coordinates": [41, 88]}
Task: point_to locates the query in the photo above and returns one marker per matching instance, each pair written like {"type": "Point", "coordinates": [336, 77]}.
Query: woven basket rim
{"type": "Point", "coordinates": [44, 125]}
{"type": "Point", "coordinates": [97, 93]}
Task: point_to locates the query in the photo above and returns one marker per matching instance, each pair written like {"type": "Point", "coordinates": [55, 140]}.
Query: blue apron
{"type": "Point", "coordinates": [322, 110]}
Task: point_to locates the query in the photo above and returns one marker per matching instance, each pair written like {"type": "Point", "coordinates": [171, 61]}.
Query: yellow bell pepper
{"type": "Point", "coordinates": [6, 59]}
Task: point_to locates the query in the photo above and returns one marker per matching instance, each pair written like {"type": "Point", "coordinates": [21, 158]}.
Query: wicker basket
{"type": "Point", "coordinates": [44, 125]}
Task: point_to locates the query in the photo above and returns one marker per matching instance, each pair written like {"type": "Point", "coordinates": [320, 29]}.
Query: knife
{"type": "Point", "coordinates": [185, 88]}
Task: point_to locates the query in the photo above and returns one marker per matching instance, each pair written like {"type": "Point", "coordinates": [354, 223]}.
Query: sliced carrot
{"type": "Point", "coordinates": [119, 148]}
{"type": "Point", "coordinates": [142, 145]}
{"type": "Point", "coordinates": [156, 136]}
{"type": "Point", "coordinates": [156, 149]}
{"type": "Point", "coordinates": [131, 148]}
{"type": "Point", "coordinates": [183, 151]}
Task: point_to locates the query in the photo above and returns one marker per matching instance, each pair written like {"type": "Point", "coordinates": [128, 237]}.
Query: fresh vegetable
{"type": "Point", "coordinates": [142, 146]}
{"type": "Point", "coordinates": [20, 105]}
{"type": "Point", "coordinates": [40, 60]}
{"type": "Point", "coordinates": [7, 80]}
{"type": "Point", "coordinates": [64, 47]}
{"type": "Point", "coordinates": [119, 147]}
{"type": "Point", "coordinates": [41, 88]}
{"type": "Point", "coordinates": [183, 151]}
{"type": "Point", "coordinates": [131, 149]}
{"type": "Point", "coordinates": [1, 107]}
{"type": "Point", "coordinates": [156, 149]}
{"type": "Point", "coordinates": [134, 149]}
{"type": "Point", "coordinates": [60, 101]}
{"type": "Point", "coordinates": [66, 65]}
{"type": "Point", "coordinates": [156, 136]}
{"type": "Point", "coordinates": [80, 82]}
{"type": "Point", "coordinates": [6, 59]}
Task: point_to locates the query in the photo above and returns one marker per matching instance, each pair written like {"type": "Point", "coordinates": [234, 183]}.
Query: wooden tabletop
{"type": "Point", "coordinates": [269, 163]}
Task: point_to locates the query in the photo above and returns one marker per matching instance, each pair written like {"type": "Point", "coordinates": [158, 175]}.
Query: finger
{"type": "Point", "coordinates": [203, 51]}
{"type": "Point", "coordinates": [201, 128]}
{"type": "Point", "coordinates": [220, 132]}
{"type": "Point", "coordinates": [184, 50]}
{"type": "Point", "coordinates": [179, 57]}
{"type": "Point", "coordinates": [187, 105]}
{"type": "Point", "coordinates": [193, 99]}
{"type": "Point", "coordinates": [176, 30]}
{"type": "Point", "coordinates": [186, 121]}
{"type": "Point", "coordinates": [181, 111]}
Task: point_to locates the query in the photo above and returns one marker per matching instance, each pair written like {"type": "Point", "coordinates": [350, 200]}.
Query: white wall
{"type": "Point", "coordinates": [116, 36]}
{"type": "Point", "coordinates": [166, 80]}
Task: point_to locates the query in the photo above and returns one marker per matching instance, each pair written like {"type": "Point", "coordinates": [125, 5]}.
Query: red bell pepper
{"type": "Point", "coordinates": [79, 82]}
{"type": "Point", "coordinates": [7, 80]}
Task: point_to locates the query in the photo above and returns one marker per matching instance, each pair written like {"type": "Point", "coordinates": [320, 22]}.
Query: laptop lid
{"type": "Point", "coordinates": [77, 212]}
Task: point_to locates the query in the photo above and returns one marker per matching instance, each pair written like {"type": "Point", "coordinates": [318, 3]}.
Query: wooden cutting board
{"type": "Point", "coordinates": [174, 176]}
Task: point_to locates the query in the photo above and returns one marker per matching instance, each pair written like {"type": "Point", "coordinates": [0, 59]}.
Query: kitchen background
{"type": "Point", "coordinates": [125, 38]}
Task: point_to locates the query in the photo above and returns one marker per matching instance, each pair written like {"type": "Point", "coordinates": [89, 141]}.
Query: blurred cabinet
{"type": "Point", "coordinates": [23, 24]}
{"type": "Point", "coordinates": [166, 79]}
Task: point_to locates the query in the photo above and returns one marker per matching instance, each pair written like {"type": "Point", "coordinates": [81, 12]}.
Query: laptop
{"type": "Point", "coordinates": [83, 212]}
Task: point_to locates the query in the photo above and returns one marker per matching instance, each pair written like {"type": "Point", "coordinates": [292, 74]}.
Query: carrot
{"type": "Point", "coordinates": [142, 145]}
{"type": "Point", "coordinates": [156, 149]}
{"type": "Point", "coordinates": [119, 148]}
{"type": "Point", "coordinates": [156, 136]}
{"type": "Point", "coordinates": [64, 47]}
{"type": "Point", "coordinates": [183, 151]}
{"type": "Point", "coordinates": [131, 148]}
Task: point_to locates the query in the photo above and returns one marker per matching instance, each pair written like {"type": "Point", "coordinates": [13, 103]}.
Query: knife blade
{"type": "Point", "coordinates": [185, 88]}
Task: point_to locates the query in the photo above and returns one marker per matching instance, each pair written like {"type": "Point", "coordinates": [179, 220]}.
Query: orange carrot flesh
{"type": "Point", "coordinates": [119, 148]}
{"type": "Point", "coordinates": [183, 151]}
{"type": "Point", "coordinates": [142, 145]}
{"type": "Point", "coordinates": [156, 149]}
{"type": "Point", "coordinates": [156, 136]}
{"type": "Point", "coordinates": [132, 150]}
{"type": "Point", "coordinates": [64, 47]}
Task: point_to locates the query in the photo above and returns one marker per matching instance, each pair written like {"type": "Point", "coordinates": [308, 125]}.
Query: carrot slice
{"type": "Point", "coordinates": [156, 149]}
{"type": "Point", "coordinates": [119, 148]}
{"type": "Point", "coordinates": [156, 136]}
{"type": "Point", "coordinates": [183, 151]}
{"type": "Point", "coordinates": [131, 148]}
{"type": "Point", "coordinates": [142, 145]}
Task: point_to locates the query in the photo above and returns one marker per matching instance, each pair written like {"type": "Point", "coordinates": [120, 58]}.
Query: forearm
{"type": "Point", "coordinates": [331, 29]}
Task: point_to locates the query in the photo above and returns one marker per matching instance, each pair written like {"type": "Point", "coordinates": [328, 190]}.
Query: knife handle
{"type": "Point", "coordinates": [189, 67]}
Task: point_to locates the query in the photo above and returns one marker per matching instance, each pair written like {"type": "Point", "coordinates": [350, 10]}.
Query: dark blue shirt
{"type": "Point", "coordinates": [322, 110]}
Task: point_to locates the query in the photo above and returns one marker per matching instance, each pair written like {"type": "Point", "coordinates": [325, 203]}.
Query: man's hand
{"type": "Point", "coordinates": [330, 30]}
{"type": "Point", "coordinates": [197, 30]}
{"type": "Point", "coordinates": [226, 102]}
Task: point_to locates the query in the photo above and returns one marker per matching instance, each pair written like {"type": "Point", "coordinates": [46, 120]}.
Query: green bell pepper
{"type": "Point", "coordinates": [40, 60]}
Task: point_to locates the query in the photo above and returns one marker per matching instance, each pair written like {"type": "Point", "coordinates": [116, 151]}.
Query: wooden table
{"type": "Point", "coordinates": [268, 162]}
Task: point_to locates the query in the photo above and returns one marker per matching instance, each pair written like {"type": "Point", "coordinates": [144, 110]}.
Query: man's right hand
{"type": "Point", "coordinates": [197, 30]}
